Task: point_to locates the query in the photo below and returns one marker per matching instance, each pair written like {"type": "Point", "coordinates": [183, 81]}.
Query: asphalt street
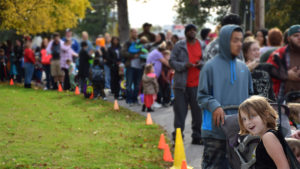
{"type": "Point", "coordinates": [164, 116]}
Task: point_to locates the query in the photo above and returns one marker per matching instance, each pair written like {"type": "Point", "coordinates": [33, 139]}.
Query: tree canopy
{"type": "Point", "coordinates": [37, 16]}
{"type": "Point", "coordinates": [198, 11]}
{"type": "Point", "coordinates": [282, 13]}
{"type": "Point", "coordinates": [99, 20]}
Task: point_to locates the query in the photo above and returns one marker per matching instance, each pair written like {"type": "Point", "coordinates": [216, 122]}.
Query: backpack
{"type": "Point", "coordinates": [97, 74]}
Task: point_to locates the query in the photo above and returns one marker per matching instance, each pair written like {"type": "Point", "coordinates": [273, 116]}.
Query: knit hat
{"type": "Point", "coordinates": [189, 27]}
{"type": "Point", "coordinates": [294, 29]}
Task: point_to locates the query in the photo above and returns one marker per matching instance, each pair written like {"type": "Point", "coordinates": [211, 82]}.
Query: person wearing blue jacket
{"type": "Point", "coordinates": [224, 80]}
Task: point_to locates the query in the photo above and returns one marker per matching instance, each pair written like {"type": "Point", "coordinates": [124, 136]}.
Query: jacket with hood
{"type": "Point", "coordinates": [223, 81]}
{"type": "Point", "coordinates": [178, 60]}
{"type": "Point", "coordinates": [150, 85]}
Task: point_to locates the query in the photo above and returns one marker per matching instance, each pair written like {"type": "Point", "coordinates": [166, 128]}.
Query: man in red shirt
{"type": "Point", "coordinates": [290, 56]}
{"type": "Point", "coordinates": [29, 61]}
{"type": "Point", "coordinates": [186, 61]}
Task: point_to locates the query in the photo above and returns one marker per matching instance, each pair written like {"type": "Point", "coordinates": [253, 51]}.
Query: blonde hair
{"type": "Point", "coordinates": [294, 112]}
{"type": "Point", "coordinates": [148, 68]}
{"type": "Point", "coordinates": [262, 108]}
{"type": "Point", "coordinates": [166, 52]}
{"type": "Point", "coordinates": [294, 144]}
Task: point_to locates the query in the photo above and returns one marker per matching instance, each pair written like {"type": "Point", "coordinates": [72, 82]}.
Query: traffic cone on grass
{"type": "Point", "coordinates": [149, 119]}
{"type": "Point", "coordinates": [60, 88]}
{"type": "Point", "coordinates": [92, 95]}
{"type": "Point", "coordinates": [77, 92]}
{"type": "Point", "coordinates": [179, 154]}
{"type": "Point", "coordinates": [167, 154]}
{"type": "Point", "coordinates": [162, 142]}
{"type": "Point", "coordinates": [116, 106]}
{"type": "Point", "coordinates": [11, 82]}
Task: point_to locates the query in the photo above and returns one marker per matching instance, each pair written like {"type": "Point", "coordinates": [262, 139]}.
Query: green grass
{"type": "Point", "coordinates": [47, 129]}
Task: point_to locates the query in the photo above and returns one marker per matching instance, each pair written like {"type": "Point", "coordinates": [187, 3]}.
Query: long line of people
{"type": "Point", "coordinates": [224, 68]}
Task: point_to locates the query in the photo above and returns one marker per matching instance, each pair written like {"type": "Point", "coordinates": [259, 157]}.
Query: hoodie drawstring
{"type": "Point", "coordinates": [232, 72]}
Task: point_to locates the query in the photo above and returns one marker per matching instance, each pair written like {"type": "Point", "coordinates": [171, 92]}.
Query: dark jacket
{"type": "Point", "coordinates": [84, 64]}
{"type": "Point", "coordinates": [18, 50]}
{"type": "Point", "coordinates": [179, 57]}
{"type": "Point", "coordinates": [150, 36]}
{"type": "Point", "coordinates": [125, 53]}
{"type": "Point", "coordinates": [114, 58]}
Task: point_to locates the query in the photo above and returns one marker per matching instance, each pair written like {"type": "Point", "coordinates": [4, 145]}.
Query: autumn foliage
{"type": "Point", "coordinates": [37, 16]}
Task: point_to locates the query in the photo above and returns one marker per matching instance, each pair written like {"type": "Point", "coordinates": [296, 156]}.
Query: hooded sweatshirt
{"type": "Point", "coordinates": [223, 81]}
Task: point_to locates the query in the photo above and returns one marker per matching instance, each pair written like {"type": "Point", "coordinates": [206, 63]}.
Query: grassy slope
{"type": "Point", "coordinates": [51, 129]}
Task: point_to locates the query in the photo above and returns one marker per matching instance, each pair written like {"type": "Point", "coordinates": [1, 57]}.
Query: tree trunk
{"type": "Point", "coordinates": [235, 6]}
{"type": "Point", "coordinates": [259, 14]}
{"type": "Point", "coordinates": [123, 20]}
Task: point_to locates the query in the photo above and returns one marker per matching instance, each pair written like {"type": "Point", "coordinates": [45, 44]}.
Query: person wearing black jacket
{"type": "Point", "coordinates": [115, 58]}
{"type": "Point", "coordinates": [84, 65]}
{"type": "Point", "coordinates": [18, 50]}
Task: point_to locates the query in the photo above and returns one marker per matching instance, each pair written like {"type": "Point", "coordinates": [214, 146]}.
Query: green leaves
{"type": "Point", "coordinates": [198, 11]}
{"type": "Point", "coordinates": [41, 15]}
{"type": "Point", "coordinates": [282, 13]}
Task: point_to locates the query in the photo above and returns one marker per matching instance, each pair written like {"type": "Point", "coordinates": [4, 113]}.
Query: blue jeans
{"type": "Point", "coordinates": [107, 76]}
{"type": "Point", "coordinates": [133, 77]}
{"type": "Point", "coordinates": [29, 69]}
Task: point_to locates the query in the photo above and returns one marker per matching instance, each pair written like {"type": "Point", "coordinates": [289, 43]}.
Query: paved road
{"type": "Point", "coordinates": [164, 117]}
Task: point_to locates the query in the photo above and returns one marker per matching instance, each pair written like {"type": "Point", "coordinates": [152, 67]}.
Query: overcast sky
{"type": "Point", "coordinates": [156, 12]}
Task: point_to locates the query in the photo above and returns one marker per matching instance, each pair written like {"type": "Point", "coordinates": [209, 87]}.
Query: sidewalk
{"type": "Point", "coordinates": [164, 117]}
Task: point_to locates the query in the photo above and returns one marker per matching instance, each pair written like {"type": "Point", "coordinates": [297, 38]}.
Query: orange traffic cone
{"type": "Point", "coordinates": [183, 165]}
{"type": "Point", "coordinates": [162, 142]}
{"type": "Point", "coordinates": [60, 88]}
{"type": "Point", "coordinates": [11, 82]}
{"type": "Point", "coordinates": [77, 92]}
{"type": "Point", "coordinates": [149, 119]}
{"type": "Point", "coordinates": [167, 154]}
{"type": "Point", "coordinates": [116, 106]}
{"type": "Point", "coordinates": [92, 95]}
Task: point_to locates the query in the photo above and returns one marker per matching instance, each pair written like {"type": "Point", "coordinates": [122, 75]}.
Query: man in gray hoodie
{"type": "Point", "coordinates": [224, 80]}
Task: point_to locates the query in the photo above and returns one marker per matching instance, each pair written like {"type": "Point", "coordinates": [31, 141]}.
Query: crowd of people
{"type": "Point", "coordinates": [223, 68]}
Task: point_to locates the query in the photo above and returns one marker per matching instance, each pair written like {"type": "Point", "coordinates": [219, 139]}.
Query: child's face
{"type": "Point", "coordinates": [167, 56]}
{"type": "Point", "coordinates": [253, 123]}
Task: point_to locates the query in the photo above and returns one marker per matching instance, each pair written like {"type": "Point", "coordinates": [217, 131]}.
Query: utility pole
{"type": "Point", "coordinates": [259, 14]}
{"type": "Point", "coordinates": [235, 6]}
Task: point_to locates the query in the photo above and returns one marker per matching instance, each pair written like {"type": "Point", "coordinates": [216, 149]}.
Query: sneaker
{"type": "Point", "coordinates": [104, 98]}
{"type": "Point", "coordinates": [197, 141]}
{"type": "Point", "coordinates": [45, 88]}
{"type": "Point", "coordinates": [156, 105]}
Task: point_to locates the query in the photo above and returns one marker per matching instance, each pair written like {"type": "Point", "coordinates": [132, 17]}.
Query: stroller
{"type": "Point", "coordinates": [241, 149]}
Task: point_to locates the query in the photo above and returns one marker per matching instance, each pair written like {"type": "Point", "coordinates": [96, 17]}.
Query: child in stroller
{"type": "Point", "coordinates": [241, 148]}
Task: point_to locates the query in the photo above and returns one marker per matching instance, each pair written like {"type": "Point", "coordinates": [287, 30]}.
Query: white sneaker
{"type": "Point", "coordinates": [157, 105]}
{"type": "Point", "coordinates": [104, 98]}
